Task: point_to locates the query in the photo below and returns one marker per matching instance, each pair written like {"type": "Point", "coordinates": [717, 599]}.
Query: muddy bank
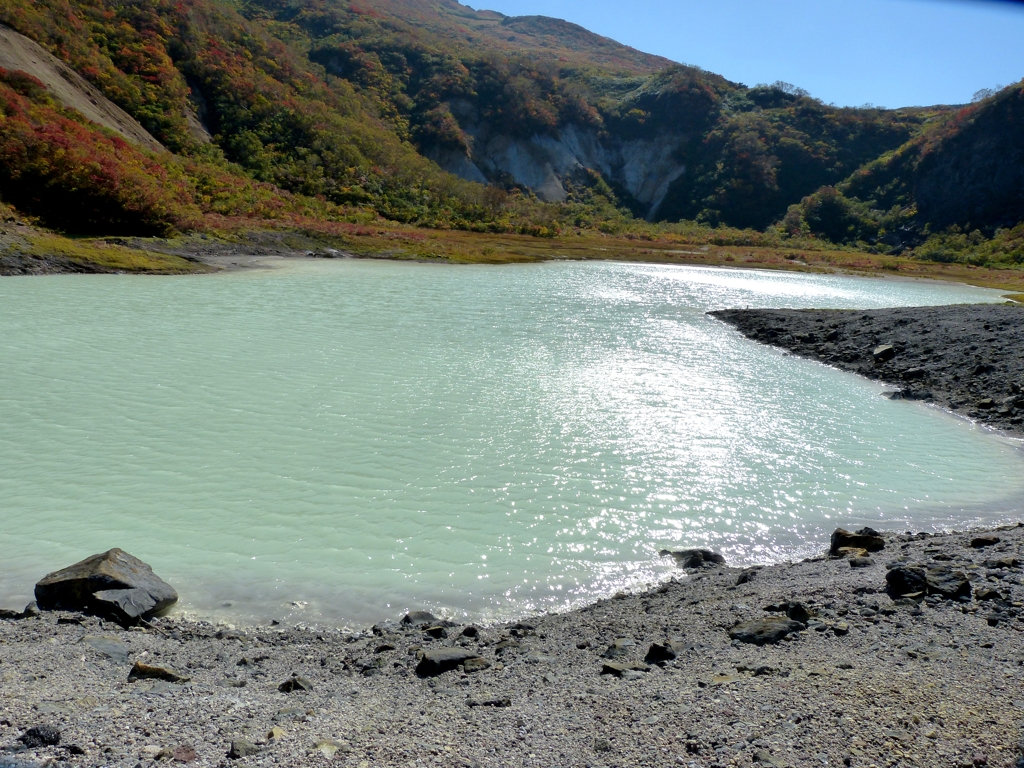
{"type": "Point", "coordinates": [968, 358]}
{"type": "Point", "coordinates": [861, 677]}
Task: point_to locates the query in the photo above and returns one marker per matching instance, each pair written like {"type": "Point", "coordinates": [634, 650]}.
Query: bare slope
{"type": "Point", "coordinates": [18, 52]}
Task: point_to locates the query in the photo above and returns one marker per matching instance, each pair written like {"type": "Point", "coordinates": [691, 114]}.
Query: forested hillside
{"type": "Point", "coordinates": [427, 112]}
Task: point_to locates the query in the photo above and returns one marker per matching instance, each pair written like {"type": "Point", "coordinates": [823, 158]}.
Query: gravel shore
{"type": "Point", "coordinates": [865, 680]}
{"type": "Point", "coordinates": [967, 358]}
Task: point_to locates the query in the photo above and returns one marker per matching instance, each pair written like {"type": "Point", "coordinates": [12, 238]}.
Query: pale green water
{"type": "Point", "coordinates": [369, 437]}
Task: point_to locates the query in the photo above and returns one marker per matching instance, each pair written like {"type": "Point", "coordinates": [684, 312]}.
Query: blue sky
{"type": "Point", "coordinates": [891, 53]}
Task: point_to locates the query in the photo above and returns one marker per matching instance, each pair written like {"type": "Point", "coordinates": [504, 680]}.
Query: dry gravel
{"type": "Point", "coordinates": [933, 683]}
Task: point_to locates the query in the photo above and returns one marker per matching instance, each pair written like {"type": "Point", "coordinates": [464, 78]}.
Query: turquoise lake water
{"type": "Point", "coordinates": [339, 441]}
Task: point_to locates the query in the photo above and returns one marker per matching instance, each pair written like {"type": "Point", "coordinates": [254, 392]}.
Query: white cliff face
{"type": "Point", "coordinates": [646, 168]}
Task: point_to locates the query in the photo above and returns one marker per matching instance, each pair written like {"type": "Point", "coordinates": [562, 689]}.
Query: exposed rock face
{"type": "Point", "coordinates": [645, 168]}
{"type": "Point", "coordinates": [113, 584]}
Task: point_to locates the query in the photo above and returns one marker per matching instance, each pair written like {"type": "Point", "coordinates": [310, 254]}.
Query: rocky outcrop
{"type": "Point", "coordinates": [644, 168]}
{"type": "Point", "coordinates": [113, 584]}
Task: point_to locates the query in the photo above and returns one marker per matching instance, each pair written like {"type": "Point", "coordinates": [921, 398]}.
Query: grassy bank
{"type": "Point", "coordinates": [174, 255]}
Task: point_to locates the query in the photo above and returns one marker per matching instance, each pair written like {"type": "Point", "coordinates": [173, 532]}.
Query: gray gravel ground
{"type": "Point", "coordinates": [870, 682]}
{"type": "Point", "coordinates": [965, 358]}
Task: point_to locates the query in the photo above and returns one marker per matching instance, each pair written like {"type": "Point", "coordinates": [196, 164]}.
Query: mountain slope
{"type": "Point", "coordinates": [431, 113]}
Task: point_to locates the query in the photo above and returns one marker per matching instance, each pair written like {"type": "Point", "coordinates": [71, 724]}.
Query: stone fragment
{"type": "Point", "coordinates": [419, 619]}
{"type": "Point", "coordinates": [142, 671]}
{"type": "Point", "coordinates": [1002, 562]}
{"type": "Point", "coordinates": [979, 542]}
{"type": "Point", "coordinates": [475, 665]}
{"type": "Point", "coordinates": [441, 660]}
{"type": "Point", "coordinates": [661, 652]}
{"type": "Point", "coordinates": [40, 736]}
{"type": "Point", "coordinates": [619, 649]}
{"type": "Point", "coordinates": [10, 615]}
{"type": "Point", "coordinates": [987, 593]}
{"type": "Point", "coordinates": [499, 702]}
{"type": "Point", "coordinates": [113, 584]}
{"type": "Point", "coordinates": [241, 748]}
{"type": "Point", "coordinates": [471, 631]}
{"type": "Point", "coordinates": [798, 612]}
{"type": "Point", "coordinates": [747, 576]}
{"type": "Point", "coordinates": [861, 562]}
{"type": "Point", "coordinates": [764, 631]}
{"type": "Point", "coordinates": [883, 353]}
{"type": "Point", "coordinates": [866, 538]}
{"type": "Point", "coordinates": [276, 733]}
{"type": "Point", "coordinates": [437, 632]}
{"type": "Point", "coordinates": [943, 580]}
{"type": "Point", "coordinates": [184, 754]}
{"type": "Point", "coordinates": [694, 558]}
{"type": "Point", "coordinates": [327, 747]}
{"type": "Point", "coordinates": [841, 629]}
{"type": "Point", "coordinates": [621, 669]}
{"type": "Point", "coordinates": [905, 580]}
{"type": "Point", "coordinates": [295, 683]}
{"type": "Point", "coordinates": [110, 647]}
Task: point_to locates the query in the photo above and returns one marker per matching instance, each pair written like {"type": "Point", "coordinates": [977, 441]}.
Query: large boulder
{"type": "Point", "coordinates": [113, 584]}
{"type": "Point", "coordinates": [866, 538]}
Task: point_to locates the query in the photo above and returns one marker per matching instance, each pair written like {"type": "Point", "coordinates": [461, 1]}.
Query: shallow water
{"type": "Point", "coordinates": [365, 437]}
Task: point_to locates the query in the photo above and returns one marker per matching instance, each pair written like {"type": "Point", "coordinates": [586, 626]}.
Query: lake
{"type": "Point", "coordinates": [339, 441]}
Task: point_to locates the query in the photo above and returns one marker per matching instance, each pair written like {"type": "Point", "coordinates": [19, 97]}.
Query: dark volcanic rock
{"type": "Point", "coordinates": [694, 558]}
{"type": "Point", "coordinates": [443, 660]}
{"type": "Point", "coordinates": [40, 736]}
{"type": "Point", "coordinates": [938, 580]}
{"type": "Point", "coordinates": [112, 584]}
{"type": "Point", "coordinates": [295, 683]}
{"type": "Point", "coordinates": [866, 538]}
{"type": "Point", "coordinates": [764, 631]}
{"type": "Point", "coordinates": [419, 619]}
{"type": "Point", "coordinates": [961, 357]}
{"type": "Point", "coordinates": [667, 651]}
{"type": "Point", "coordinates": [951, 584]}
{"type": "Point", "coordinates": [984, 541]}
{"type": "Point", "coordinates": [906, 580]}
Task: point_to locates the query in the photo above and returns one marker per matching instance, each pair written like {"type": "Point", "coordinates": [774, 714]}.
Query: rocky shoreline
{"type": "Point", "coordinates": [826, 662]}
{"type": "Point", "coordinates": [966, 358]}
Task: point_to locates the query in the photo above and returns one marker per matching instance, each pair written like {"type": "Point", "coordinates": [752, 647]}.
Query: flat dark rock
{"type": "Point", "coordinates": [419, 619]}
{"type": "Point", "coordinates": [40, 736]}
{"type": "Point", "coordinates": [441, 660]}
{"type": "Point", "coordinates": [967, 358]}
{"type": "Point", "coordinates": [764, 631]}
{"type": "Point", "coordinates": [142, 671]}
{"type": "Point", "coordinates": [936, 580]}
{"type": "Point", "coordinates": [113, 584]}
{"type": "Point", "coordinates": [694, 558]}
{"type": "Point", "coordinates": [621, 668]}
